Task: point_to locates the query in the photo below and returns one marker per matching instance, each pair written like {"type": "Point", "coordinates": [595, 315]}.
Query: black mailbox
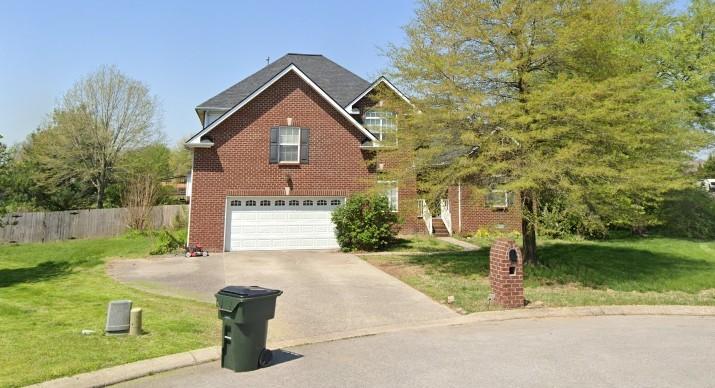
{"type": "Point", "coordinates": [513, 260]}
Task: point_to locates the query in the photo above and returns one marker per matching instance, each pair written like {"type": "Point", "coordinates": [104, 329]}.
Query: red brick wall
{"type": "Point", "coordinates": [397, 163]}
{"type": "Point", "coordinates": [238, 162]}
{"type": "Point", "coordinates": [475, 214]}
{"type": "Point", "coordinates": [406, 190]}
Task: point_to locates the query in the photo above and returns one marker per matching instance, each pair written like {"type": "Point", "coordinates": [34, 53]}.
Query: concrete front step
{"type": "Point", "coordinates": [439, 229]}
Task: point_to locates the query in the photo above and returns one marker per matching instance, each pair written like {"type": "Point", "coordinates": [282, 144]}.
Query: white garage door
{"type": "Point", "coordinates": [280, 223]}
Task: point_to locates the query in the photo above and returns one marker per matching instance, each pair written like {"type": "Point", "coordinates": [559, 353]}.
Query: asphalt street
{"type": "Point", "coordinates": [606, 351]}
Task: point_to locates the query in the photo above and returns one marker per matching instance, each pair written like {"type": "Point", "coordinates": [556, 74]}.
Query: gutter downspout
{"type": "Point", "coordinates": [191, 201]}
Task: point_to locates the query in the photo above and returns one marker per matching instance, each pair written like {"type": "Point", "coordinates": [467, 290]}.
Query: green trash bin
{"type": "Point", "coordinates": [244, 312]}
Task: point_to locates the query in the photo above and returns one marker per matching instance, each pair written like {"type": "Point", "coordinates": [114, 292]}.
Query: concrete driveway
{"type": "Point", "coordinates": [324, 292]}
{"type": "Point", "coordinates": [615, 351]}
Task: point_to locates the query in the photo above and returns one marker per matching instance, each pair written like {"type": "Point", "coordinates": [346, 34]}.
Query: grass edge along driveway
{"type": "Point", "coordinates": [651, 270]}
{"type": "Point", "coordinates": [50, 292]}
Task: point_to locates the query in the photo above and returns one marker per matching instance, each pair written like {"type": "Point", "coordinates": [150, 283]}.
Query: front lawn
{"type": "Point", "coordinates": [420, 243]}
{"type": "Point", "coordinates": [50, 292]}
{"type": "Point", "coordinates": [650, 270]}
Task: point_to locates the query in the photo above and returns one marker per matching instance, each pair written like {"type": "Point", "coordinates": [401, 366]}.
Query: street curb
{"type": "Point", "coordinates": [138, 369]}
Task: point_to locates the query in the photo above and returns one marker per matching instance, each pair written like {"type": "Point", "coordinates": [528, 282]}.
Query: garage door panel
{"type": "Point", "coordinates": [281, 227]}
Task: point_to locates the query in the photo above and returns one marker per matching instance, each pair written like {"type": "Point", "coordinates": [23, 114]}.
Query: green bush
{"type": "Point", "coordinates": [688, 213]}
{"type": "Point", "coordinates": [563, 222]}
{"type": "Point", "coordinates": [486, 236]}
{"type": "Point", "coordinates": [365, 222]}
{"type": "Point", "coordinates": [168, 242]}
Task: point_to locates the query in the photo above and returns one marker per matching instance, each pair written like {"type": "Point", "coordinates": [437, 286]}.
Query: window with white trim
{"type": "Point", "coordinates": [389, 189]}
{"type": "Point", "coordinates": [293, 202]}
{"type": "Point", "coordinates": [211, 116]}
{"type": "Point", "coordinates": [251, 203]}
{"type": "Point", "coordinates": [382, 125]}
{"type": "Point", "coordinates": [499, 199]}
{"type": "Point", "coordinates": [288, 144]}
{"type": "Point", "coordinates": [335, 202]}
{"type": "Point", "coordinates": [235, 202]}
{"type": "Point", "coordinates": [279, 202]}
{"type": "Point", "coordinates": [265, 202]}
{"type": "Point", "coordinates": [308, 202]}
{"type": "Point", "coordinates": [322, 202]}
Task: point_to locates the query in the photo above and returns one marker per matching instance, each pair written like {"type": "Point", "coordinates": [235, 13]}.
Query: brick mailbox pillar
{"type": "Point", "coordinates": [506, 274]}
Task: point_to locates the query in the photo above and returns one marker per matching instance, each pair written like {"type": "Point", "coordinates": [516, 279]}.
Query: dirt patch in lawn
{"type": "Point", "coordinates": [400, 270]}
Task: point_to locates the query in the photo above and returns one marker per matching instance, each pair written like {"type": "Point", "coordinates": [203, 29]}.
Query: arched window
{"type": "Point", "coordinates": [335, 202]}
{"type": "Point", "coordinates": [279, 202]}
{"type": "Point", "coordinates": [307, 202]}
{"type": "Point", "coordinates": [265, 202]}
{"type": "Point", "coordinates": [322, 202]}
{"type": "Point", "coordinates": [250, 203]}
{"type": "Point", "coordinates": [235, 202]}
{"type": "Point", "coordinates": [293, 202]}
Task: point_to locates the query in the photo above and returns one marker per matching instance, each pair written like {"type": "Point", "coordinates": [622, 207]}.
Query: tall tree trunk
{"type": "Point", "coordinates": [528, 230]}
{"type": "Point", "coordinates": [101, 187]}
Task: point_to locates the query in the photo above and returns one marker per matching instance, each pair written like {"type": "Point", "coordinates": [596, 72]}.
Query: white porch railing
{"type": "Point", "coordinates": [445, 214]}
{"type": "Point", "coordinates": [425, 214]}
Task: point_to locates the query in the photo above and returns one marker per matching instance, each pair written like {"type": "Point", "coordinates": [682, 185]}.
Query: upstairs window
{"type": "Point", "coordinates": [288, 145]}
{"type": "Point", "coordinates": [211, 116]}
{"type": "Point", "coordinates": [382, 125]}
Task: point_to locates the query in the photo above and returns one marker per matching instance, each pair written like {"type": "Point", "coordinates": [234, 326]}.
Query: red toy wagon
{"type": "Point", "coordinates": [195, 249]}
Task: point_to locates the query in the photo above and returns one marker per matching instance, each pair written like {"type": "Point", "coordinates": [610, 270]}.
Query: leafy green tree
{"type": "Point", "coordinates": [153, 159]}
{"type": "Point", "coordinates": [707, 170]}
{"type": "Point", "coordinates": [100, 118]}
{"type": "Point", "coordinates": [180, 160]}
{"type": "Point", "coordinates": [3, 180]}
{"type": "Point", "coordinates": [588, 102]}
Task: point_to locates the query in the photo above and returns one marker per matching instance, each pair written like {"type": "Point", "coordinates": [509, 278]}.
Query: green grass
{"type": "Point", "coordinates": [652, 270]}
{"type": "Point", "coordinates": [50, 292]}
{"type": "Point", "coordinates": [418, 243]}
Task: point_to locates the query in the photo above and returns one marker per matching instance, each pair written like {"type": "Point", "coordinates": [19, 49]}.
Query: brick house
{"type": "Point", "coordinates": [279, 150]}
{"type": "Point", "coordinates": [495, 211]}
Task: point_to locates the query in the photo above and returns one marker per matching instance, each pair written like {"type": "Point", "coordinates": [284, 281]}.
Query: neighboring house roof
{"type": "Point", "coordinates": [196, 142]}
{"type": "Point", "coordinates": [336, 81]}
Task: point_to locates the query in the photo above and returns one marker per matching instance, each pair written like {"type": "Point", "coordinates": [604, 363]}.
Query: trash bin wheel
{"type": "Point", "coordinates": [265, 358]}
{"type": "Point", "coordinates": [205, 253]}
{"type": "Point", "coordinates": [188, 255]}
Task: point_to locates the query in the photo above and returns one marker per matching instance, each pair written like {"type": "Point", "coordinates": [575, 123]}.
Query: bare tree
{"type": "Point", "coordinates": [102, 116]}
{"type": "Point", "coordinates": [139, 198]}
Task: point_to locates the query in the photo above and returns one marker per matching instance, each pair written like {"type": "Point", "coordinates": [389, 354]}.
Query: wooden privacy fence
{"type": "Point", "coordinates": [72, 224]}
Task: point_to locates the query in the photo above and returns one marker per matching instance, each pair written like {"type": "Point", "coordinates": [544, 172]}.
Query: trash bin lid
{"type": "Point", "coordinates": [247, 292]}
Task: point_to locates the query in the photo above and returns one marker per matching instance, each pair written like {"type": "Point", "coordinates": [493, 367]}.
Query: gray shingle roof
{"type": "Point", "coordinates": [339, 83]}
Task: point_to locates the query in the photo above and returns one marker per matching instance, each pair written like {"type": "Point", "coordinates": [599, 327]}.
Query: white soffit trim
{"type": "Point", "coordinates": [387, 82]}
{"type": "Point", "coordinates": [195, 140]}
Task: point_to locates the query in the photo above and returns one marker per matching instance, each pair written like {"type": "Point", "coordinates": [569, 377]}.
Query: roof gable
{"type": "Point", "coordinates": [195, 141]}
{"type": "Point", "coordinates": [381, 80]}
{"type": "Point", "coordinates": [336, 81]}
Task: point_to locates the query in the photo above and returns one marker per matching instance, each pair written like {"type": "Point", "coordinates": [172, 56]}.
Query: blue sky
{"type": "Point", "coordinates": [185, 51]}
